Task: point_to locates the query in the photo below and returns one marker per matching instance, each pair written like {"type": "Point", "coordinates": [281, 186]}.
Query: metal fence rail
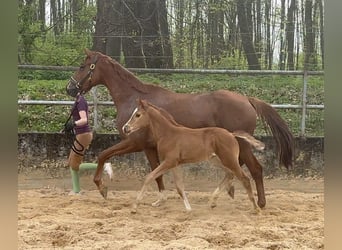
{"type": "Point", "coordinates": [304, 106]}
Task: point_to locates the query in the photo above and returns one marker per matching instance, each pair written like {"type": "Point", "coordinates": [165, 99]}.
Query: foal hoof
{"type": "Point", "coordinates": [231, 192]}
{"type": "Point", "coordinates": [257, 211]}
{"type": "Point", "coordinates": [213, 205]}
{"type": "Point", "coordinates": [134, 209]}
{"type": "Point", "coordinates": [104, 191]}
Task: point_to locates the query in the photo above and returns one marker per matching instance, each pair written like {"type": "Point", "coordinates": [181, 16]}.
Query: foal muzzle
{"type": "Point", "coordinates": [126, 129]}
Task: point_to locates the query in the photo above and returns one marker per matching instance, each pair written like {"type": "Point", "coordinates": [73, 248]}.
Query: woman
{"type": "Point", "coordinates": [79, 126]}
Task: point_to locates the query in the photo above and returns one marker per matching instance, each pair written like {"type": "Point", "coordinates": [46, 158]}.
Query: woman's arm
{"type": "Point", "coordinates": [83, 120]}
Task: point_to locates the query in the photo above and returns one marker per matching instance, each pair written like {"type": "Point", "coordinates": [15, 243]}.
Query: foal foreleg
{"type": "Point", "coordinates": [123, 147]}
{"type": "Point", "coordinates": [152, 156]}
{"type": "Point", "coordinates": [160, 170]}
{"type": "Point", "coordinates": [178, 178]}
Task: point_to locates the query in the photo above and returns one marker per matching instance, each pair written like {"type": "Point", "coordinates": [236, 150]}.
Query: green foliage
{"type": "Point", "coordinates": [272, 89]}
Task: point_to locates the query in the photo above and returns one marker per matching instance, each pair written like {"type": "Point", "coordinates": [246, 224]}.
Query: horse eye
{"type": "Point", "coordinates": [82, 67]}
{"type": "Point", "coordinates": [137, 115]}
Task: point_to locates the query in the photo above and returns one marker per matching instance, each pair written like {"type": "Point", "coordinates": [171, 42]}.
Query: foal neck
{"type": "Point", "coordinates": [159, 124]}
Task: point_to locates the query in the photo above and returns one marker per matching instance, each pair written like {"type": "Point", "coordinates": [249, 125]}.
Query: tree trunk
{"type": "Point", "coordinates": [244, 19]}
{"type": "Point", "coordinates": [99, 41]}
{"type": "Point", "coordinates": [179, 33]}
{"type": "Point", "coordinates": [290, 30]}
{"type": "Point", "coordinates": [258, 35]}
{"type": "Point", "coordinates": [165, 40]}
{"type": "Point", "coordinates": [268, 54]}
{"type": "Point", "coordinates": [321, 28]}
{"type": "Point", "coordinates": [41, 14]}
{"type": "Point", "coordinates": [309, 38]}
{"type": "Point", "coordinates": [282, 31]}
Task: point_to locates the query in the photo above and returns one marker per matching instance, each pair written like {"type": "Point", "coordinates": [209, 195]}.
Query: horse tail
{"type": "Point", "coordinates": [279, 129]}
{"type": "Point", "coordinates": [250, 139]}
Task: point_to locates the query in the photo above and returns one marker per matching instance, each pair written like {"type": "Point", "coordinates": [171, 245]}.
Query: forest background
{"type": "Point", "coordinates": [211, 34]}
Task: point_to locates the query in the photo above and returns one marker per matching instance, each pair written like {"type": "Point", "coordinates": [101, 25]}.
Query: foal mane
{"type": "Point", "coordinates": [165, 114]}
{"type": "Point", "coordinates": [126, 75]}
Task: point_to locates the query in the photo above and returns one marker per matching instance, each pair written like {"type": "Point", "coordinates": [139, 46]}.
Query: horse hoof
{"type": "Point", "coordinates": [133, 211]}
{"type": "Point", "coordinates": [104, 192]}
{"type": "Point", "coordinates": [261, 203]}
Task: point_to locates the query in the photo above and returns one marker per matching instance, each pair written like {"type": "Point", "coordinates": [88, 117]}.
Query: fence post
{"type": "Point", "coordinates": [94, 92]}
{"type": "Point", "coordinates": [304, 102]}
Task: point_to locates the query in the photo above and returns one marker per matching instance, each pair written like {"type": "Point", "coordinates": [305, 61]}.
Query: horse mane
{"type": "Point", "coordinates": [127, 76]}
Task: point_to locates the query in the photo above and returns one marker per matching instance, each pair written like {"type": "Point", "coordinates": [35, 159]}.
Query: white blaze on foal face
{"type": "Point", "coordinates": [126, 125]}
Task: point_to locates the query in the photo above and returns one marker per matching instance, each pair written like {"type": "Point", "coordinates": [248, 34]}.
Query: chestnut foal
{"type": "Point", "coordinates": [177, 145]}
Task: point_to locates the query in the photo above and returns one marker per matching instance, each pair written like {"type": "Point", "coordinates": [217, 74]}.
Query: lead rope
{"type": "Point", "coordinates": [73, 136]}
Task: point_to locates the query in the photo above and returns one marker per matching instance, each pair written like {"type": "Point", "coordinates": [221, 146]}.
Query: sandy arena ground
{"type": "Point", "coordinates": [49, 218]}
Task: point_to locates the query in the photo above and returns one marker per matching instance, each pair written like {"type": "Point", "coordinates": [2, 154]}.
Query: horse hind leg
{"type": "Point", "coordinates": [255, 168]}
{"type": "Point", "coordinates": [178, 178]}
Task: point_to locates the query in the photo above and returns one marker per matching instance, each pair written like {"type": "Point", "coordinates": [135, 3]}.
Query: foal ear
{"type": "Point", "coordinates": [143, 103]}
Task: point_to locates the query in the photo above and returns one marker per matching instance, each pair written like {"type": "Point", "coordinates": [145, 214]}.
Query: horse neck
{"type": "Point", "coordinates": [160, 126]}
{"type": "Point", "coordinates": [122, 84]}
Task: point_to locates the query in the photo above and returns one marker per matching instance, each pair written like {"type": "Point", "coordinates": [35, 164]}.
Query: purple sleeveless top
{"type": "Point", "coordinates": [80, 104]}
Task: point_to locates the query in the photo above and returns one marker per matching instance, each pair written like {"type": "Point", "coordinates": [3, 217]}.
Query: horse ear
{"type": "Point", "coordinates": [87, 51]}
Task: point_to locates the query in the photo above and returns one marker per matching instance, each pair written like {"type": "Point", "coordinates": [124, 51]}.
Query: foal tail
{"type": "Point", "coordinates": [280, 130]}
{"type": "Point", "coordinates": [258, 145]}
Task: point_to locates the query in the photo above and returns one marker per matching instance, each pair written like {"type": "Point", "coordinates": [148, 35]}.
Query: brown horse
{"type": "Point", "coordinates": [177, 145]}
{"type": "Point", "coordinates": [222, 108]}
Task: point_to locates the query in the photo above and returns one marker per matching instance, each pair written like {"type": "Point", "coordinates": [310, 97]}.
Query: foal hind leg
{"type": "Point", "coordinates": [255, 168]}
{"type": "Point", "coordinates": [215, 161]}
{"type": "Point", "coordinates": [160, 170]}
{"type": "Point", "coordinates": [227, 183]}
{"type": "Point", "coordinates": [152, 157]}
{"type": "Point", "coordinates": [241, 175]}
{"type": "Point", "coordinates": [178, 178]}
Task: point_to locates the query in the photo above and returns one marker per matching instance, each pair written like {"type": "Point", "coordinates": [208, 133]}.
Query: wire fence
{"type": "Point", "coordinates": [304, 106]}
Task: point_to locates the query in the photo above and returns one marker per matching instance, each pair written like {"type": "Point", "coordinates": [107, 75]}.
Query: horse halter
{"type": "Point", "coordinates": [73, 86]}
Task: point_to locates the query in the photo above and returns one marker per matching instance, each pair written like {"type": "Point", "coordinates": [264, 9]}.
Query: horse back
{"type": "Point", "coordinates": [222, 108]}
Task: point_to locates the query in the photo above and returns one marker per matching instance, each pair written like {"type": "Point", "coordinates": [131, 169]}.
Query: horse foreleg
{"type": "Point", "coordinates": [178, 178]}
{"type": "Point", "coordinates": [152, 157]}
{"type": "Point", "coordinates": [123, 147]}
{"type": "Point", "coordinates": [255, 168]}
{"type": "Point", "coordinates": [160, 170]}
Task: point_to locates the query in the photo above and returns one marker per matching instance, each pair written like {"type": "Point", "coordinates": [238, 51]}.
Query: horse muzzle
{"type": "Point", "coordinates": [72, 87]}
